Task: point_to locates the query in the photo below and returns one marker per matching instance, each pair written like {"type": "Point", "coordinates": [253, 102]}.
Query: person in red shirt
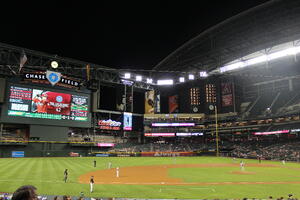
{"type": "Point", "coordinates": [36, 103]}
{"type": "Point", "coordinates": [43, 102]}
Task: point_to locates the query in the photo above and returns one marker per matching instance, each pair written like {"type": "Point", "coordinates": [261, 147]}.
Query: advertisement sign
{"type": "Point", "coordinates": [159, 134]}
{"type": "Point", "coordinates": [227, 94]}
{"type": "Point", "coordinates": [149, 102]}
{"type": "Point", "coordinates": [173, 104]}
{"type": "Point", "coordinates": [105, 144]}
{"type": "Point", "coordinates": [73, 154]}
{"type": "Point", "coordinates": [271, 132]}
{"type": "Point", "coordinates": [127, 121]}
{"type": "Point", "coordinates": [157, 103]}
{"type": "Point", "coordinates": [188, 134]}
{"type": "Point", "coordinates": [172, 124]}
{"type": "Point", "coordinates": [53, 78]}
{"type": "Point", "coordinates": [168, 154]}
{"type": "Point", "coordinates": [17, 154]}
{"type": "Point", "coordinates": [227, 100]}
{"type": "Point", "coordinates": [102, 155]}
{"type": "Point", "coordinates": [109, 125]}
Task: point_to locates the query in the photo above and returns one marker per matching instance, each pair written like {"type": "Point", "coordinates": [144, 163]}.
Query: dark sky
{"type": "Point", "coordinates": [124, 34]}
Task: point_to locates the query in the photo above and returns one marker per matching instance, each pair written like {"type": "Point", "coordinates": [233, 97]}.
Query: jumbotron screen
{"type": "Point", "coordinates": [31, 102]}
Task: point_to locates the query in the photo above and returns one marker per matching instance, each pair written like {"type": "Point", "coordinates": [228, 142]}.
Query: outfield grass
{"type": "Point", "coordinates": [47, 175]}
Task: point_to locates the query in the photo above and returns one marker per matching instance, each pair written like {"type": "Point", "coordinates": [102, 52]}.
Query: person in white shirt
{"type": "Point", "coordinates": [92, 184]}
{"type": "Point", "coordinates": [117, 172]}
{"type": "Point", "coordinates": [242, 165]}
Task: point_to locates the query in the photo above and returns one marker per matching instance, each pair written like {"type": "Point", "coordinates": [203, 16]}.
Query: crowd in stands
{"type": "Point", "coordinates": [280, 151]}
{"type": "Point", "coordinates": [266, 147]}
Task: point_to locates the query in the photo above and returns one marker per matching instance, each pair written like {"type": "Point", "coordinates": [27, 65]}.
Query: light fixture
{"type": "Point", "coordinates": [54, 64]}
{"type": "Point", "coordinates": [232, 67]}
{"type": "Point", "coordinates": [165, 82]}
{"type": "Point", "coordinates": [191, 76]}
{"type": "Point", "coordinates": [138, 78]}
{"type": "Point", "coordinates": [127, 75]}
{"type": "Point", "coordinates": [203, 74]}
{"type": "Point", "coordinates": [181, 79]}
{"type": "Point", "coordinates": [149, 80]}
{"type": "Point", "coordinates": [261, 59]}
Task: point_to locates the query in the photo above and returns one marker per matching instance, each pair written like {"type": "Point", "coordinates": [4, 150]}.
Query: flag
{"type": "Point", "coordinates": [23, 59]}
{"type": "Point", "coordinates": [88, 71]}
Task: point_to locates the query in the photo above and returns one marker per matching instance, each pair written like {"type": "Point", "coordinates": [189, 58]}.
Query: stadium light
{"type": "Point", "coordinates": [127, 75]}
{"type": "Point", "coordinates": [165, 82]}
{"type": "Point", "coordinates": [203, 74]}
{"type": "Point", "coordinates": [181, 79]}
{"type": "Point", "coordinates": [54, 64]}
{"type": "Point", "coordinates": [138, 78]}
{"type": "Point", "coordinates": [261, 59]}
{"type": "Point", "coordinates": [149, 80]}
{"type": "Point", "coordinates": [191, 76]}
{"type": "Point", "coordinates": [232, 67]}
{"type": "Point", "coordinates": [286, 52]}
{"type": "Point", "coordinates": [256, 60]}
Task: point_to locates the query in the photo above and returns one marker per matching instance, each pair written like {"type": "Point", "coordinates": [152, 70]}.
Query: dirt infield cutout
{"type": "Point", "coordinates": [158, 174]}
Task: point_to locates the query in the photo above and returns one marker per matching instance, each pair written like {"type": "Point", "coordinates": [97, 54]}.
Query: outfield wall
{"type": "Point", "coordinates": [51, 149]}
{"type": "Point", "coordinates": [44, 149]}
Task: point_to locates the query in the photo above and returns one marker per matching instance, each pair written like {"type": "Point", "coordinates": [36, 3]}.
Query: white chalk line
{"type": "Point", "coordinates": [198, 188]}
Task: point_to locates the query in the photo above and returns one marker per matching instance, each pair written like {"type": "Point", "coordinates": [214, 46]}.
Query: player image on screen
{"type": "Point", "coordinates": [127, 121]}
{"type": "Point", "coordinates": [39, 102]}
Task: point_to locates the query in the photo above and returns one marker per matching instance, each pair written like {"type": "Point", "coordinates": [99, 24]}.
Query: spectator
{"type": "Point", "coordinates": [26, 192]}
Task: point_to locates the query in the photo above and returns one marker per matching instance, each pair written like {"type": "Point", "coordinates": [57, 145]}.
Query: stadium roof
{"type": "Point", "coordinates": [260, 28]}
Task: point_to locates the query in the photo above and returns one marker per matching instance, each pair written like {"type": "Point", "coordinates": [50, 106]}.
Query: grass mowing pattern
{"type": "Point", "coordinates": [47, 175]}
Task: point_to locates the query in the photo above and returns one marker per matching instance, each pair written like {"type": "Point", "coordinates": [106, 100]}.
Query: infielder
{"type": "Point", "coordinates": [117, 172]}
{"type": "Point", "coordinates": [92, 184]}
{"type": "Point", "coordinates": [242, 164]}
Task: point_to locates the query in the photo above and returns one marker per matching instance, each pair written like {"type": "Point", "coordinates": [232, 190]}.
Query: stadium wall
{"type": "Point", "coordinates": [43, 149]}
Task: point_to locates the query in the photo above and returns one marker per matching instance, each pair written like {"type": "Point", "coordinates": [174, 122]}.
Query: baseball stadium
{"type": "Point", "coordinates": [218, 118]}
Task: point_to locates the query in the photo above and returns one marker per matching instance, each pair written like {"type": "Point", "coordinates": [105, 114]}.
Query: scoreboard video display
{"type": "Point", "coordinates": [34, 103]}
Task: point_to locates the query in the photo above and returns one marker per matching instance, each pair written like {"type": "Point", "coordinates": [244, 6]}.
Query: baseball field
{"type": "Point", "coordinates": [153, 177]}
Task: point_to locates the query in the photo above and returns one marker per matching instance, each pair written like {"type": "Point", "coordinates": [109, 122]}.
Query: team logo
{"type": "Point", "coordinates": [53, 77]}
{"type": "Point", "coordinates": [79, 101]}
{"type": "Point", "coordinates": [59, 99]}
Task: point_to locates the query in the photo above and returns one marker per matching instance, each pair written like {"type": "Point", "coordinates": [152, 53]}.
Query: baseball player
{"type": "Point", "coordinates": [92, 184]}
{"type": "Point", "coordinates": [242, 165]}
{"type": "Point", "coordinates": [117, 172]}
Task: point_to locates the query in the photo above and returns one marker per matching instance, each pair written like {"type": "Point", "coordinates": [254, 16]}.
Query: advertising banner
{"type": "Point", "coordinates": [105, 144]}
{"type": "Point", "coordinates": [17, 154]}
{"type": "Point", "coordinates": [109, 125]}
{"type": "Point", "coordinates": [127, 121]}
{"type": "Point", "coordinates": [159, 134]}
{"type": "Point", "coordinates": [227, 100]}
{"type": "Point", "coordinates": [271, 132]}
{"type": "Point", "coordinates": [50, 77]}
{"type": "Point", "coordinates": [167, 154]}
{"type": "Point", "coordinates": [149, 102]}
{"type": "Point", "coordinates": [172, 124]}
{"type": "Point", "coordinates": [173, 104]}
{"type": "Point", "coordinates": [157, 103]}
{"type": "Point", "coordinates": [227, 94]}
